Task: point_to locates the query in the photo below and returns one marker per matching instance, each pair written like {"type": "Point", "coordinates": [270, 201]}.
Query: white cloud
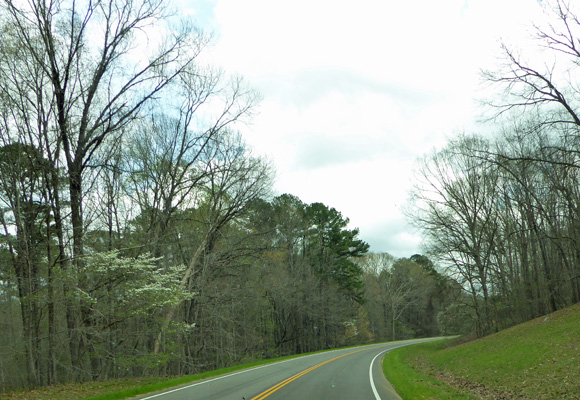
{"type": "Point", "coordinates": [355, 91]}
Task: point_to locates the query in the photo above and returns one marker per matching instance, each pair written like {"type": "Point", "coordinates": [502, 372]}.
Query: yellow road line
{"type": "Point", "coordinates": [280, 385]}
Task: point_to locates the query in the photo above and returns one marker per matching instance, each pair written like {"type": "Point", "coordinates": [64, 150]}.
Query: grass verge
{"type": "Point", "coordinates": [411, 382]}
{"type": "Point", "coordinates": [537, 360]}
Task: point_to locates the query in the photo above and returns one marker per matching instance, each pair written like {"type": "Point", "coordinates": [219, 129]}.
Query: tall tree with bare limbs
{"type": "Point", "coordinates": [454, 203]}
{"type": "Point", "coordinates": [96, 72]}
{"type": "Point", "coordinates": [545, 86]}
{"type": "Point", "coordinates": [541, 89]}
{"type": "Point", "coordinates": [87, 69]}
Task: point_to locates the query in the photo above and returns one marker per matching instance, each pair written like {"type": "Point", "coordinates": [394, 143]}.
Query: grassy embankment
{"type": "Point", "coordinates": [539, 359]}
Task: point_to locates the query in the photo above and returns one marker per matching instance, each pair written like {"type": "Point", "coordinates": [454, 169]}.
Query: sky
{"type": "Point", "coordinates": [355, 92]}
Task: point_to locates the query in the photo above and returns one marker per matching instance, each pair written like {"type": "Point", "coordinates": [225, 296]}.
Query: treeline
{"type": "Point", "coordinates": [214, 285]}
{"type": "Point", "coordinates": [139, 235]}
{"type": "Point", "coordinates": [502, 212]}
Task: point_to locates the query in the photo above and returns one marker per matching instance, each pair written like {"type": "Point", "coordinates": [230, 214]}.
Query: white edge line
{"type": "Point", "coordinates": [213, 380]}
{"type": "Point", "coordinates": [232, 374]}
{"type": "Point", "coordinates": [377, 397]}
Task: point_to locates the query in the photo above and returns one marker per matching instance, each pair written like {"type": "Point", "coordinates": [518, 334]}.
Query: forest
{"type": "Point", "coordinates": [140, 236]}
{"type": "Point", "coordinates": [501, 211]}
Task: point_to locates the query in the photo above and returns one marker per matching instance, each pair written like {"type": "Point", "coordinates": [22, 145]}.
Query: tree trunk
{"type": "Point", "coordinates": [77, 344]}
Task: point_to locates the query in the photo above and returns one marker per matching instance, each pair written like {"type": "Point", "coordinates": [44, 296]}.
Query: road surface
{"type": "Point", "coordinates": [353, 373]}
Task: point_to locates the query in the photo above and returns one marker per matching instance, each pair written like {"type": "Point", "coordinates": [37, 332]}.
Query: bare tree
{"type": "Point", "coordinates": [169, 156]}
{"type": "Point", "coordinates": [234, 180]}
{"type": "Point", "coordinates": [97, 88]}
{"type": "Point", "coordinates": [455, 208]}
{"type": "Point", "coordinates": [543, 152]}
{"type": "Point", "coordinates": [376, 267]}
{"type": "Point", "coordinates": [546, 89]}
{"type": "Point", "coordinates": [95, 66]}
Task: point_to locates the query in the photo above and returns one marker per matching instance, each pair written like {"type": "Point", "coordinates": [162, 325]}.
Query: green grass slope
{"type": "Point", "coordinates": [539, 359]}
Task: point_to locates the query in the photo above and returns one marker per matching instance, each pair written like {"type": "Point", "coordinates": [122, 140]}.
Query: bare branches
{"type": "Point", "coordinates": [548, 90]}
{"type": "Point", "coordinates": [78, 75]}
{"type": "Point", "coordinates": [564, 38]}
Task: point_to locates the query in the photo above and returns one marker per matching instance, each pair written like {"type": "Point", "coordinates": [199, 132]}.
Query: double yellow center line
{"type": "Point", "coordinates": [280, 385]}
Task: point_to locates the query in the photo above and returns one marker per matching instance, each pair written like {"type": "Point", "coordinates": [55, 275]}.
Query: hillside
{"type": "Point", "coordinates": [539, 359]}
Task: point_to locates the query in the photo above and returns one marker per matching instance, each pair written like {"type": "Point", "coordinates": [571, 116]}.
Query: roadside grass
{"type": "Point", "coordinates": [412, 383]}
{"type": "Point", "coordinates": [119, 389]}
{"type": "Point", "coordinates": [539, 360]}
{"type": "Point", "coordinates": [76, 391]}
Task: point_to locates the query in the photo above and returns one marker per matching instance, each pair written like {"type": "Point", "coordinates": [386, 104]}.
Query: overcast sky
{"type": "Point", "coordinates": [355, 91]}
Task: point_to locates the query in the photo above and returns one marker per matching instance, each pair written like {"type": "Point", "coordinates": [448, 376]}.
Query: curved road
{"type": "Point", "coordinates": [353, 373]}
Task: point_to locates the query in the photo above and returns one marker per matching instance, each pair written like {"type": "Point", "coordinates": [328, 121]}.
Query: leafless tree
{"type": "Point", "coordinates": [233, 180]}
{"type": "Point", "coordinates": [455, 208]}
{"type": "Point", "coordinates": [76, 73]}
{"type": "Point", "coordinates": [546, 89]}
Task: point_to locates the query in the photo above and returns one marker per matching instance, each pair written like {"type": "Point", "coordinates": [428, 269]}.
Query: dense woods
{"type": "Point", "coordinates": [501, 212]}
{"type": "Point", "coordinates": [140, 235]}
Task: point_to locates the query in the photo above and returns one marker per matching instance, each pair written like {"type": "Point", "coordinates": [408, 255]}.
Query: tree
{"type": "Point", "coordinates": [313, 290]}
{"type": "Point", "coordinates": [169, 157]}
{"type": "Point", "coordinates": [544, 93]}
{"type": "Point", "coordinates": [333, 248]}
{"type": "Point", "coordinates": [234, 180]}
{"type": "Point", "coordinates": [456, 211]}
{"type": "Point", "coordinates": [539, 201]}
{"type": "Point", "coordinates": [90, 79]}
{"type": "Point", "coordinates": [22, 172]}
{"type": "Point", "coordinates": [97, 91]}
{"type": "Point", "coordinates": [405, 295]}
{"type": "Point", "coordinates": [547, 96]}
{"type": "Point", "coordinates": [375, 267]}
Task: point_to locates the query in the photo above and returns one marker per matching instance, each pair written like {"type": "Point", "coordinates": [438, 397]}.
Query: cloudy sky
{"type": "Point", "coordinates": [354, 92]}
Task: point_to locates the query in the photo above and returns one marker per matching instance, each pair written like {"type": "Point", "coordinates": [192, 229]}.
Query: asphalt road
{"type": "Point", "coordinates": [353, 373]}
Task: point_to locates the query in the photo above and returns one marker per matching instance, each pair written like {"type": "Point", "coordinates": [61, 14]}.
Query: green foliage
{"type": "Point", "coordinates": [424, 262]}
{"type": "Point", "coordinates": [309, 277]}
{"type": "Point", "coordinates": [122, 298]}
{"type": "Point", "coordinates": [21, 166]}
{"type": "Point", "coordinates": [137, 285]}
{"type": "Point", "coordinates": [332, 248]}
